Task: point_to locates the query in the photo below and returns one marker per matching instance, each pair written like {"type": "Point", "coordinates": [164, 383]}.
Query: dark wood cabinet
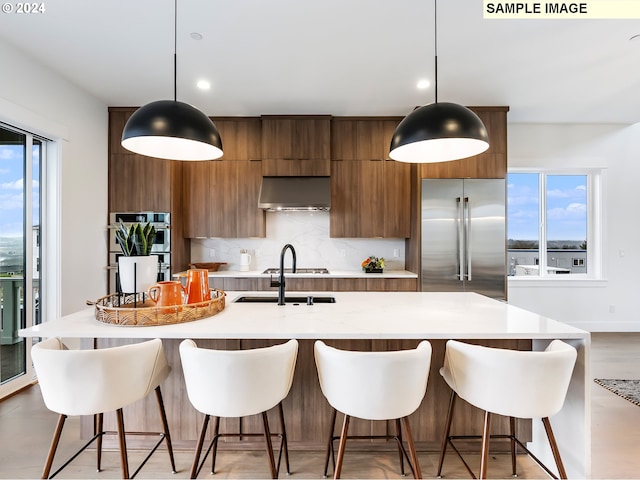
{"type": "Point", "coordinates": [370, 198]}
{"type": "Point", "coordinates": [136, 183]}
{"type": "Point", "coordinates": [145, 184]}
{"type": "Point", "coordinates": [362, 138]}
{"type": "Point", "coordinates": [317, 284]}
{"type": "Point", "coordinates": [241, 137]}
{"type": "Point", "coordinates": [296, 145]}
{"type": "Point", "coordinates": [197, 204]}
{"type": "Point", "coordinates": [221, 199]}
{"type": "Point", "coordinates": [489, 164]}
{"type": "Point", "coordinates": [370, 194]}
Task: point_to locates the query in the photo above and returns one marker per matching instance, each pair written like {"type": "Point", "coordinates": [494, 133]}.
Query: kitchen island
{"type": "Point", "coordinates": [364, 321]}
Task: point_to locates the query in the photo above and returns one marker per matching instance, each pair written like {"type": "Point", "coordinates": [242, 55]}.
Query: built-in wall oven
{"type": "Point", "coordinates": [161, 246]}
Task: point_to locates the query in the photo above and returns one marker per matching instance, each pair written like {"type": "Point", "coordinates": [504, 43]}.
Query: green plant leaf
{"type": "Point", "coordinates": [136, 240]}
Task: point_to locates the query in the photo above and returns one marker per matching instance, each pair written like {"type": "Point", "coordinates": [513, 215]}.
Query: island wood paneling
{"type": "Point", "coordinates": [307, 412]}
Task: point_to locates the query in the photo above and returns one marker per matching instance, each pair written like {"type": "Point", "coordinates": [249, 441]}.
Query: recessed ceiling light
{"type": "Point", "coordinates": [195, 36]}
{"type": "Point", "coordinates": [203, 85]}
{"type": "Point", "coordinates": [422, 84]}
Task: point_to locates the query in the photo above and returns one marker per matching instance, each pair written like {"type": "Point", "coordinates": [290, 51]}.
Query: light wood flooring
{"type": "Point", "coordinates": [26, 427]}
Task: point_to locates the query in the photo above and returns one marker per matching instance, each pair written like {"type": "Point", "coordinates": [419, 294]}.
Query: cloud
{"type": "Point", "coordinates": [15, 185]}
{"type": "Point", "coordinates": [9, 153]}
{"type": "Point", "coordinates": [558, 193]}
{"type": "Point", "coordinates": [11, 201]}
{"type": "Point", "coordinates": [573, 211]}
{"type": "Point", "coordinates": [581, 187]}
{"type": "Point", "coordinates": [523, 214]}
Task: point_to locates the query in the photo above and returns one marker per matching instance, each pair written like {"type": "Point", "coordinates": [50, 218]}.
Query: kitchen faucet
{"type": "Point", "coordinates": [280, 282]}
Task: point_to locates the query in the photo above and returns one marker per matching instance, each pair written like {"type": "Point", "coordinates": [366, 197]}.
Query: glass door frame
{"type": "Point", "coordinates": [28, 377]}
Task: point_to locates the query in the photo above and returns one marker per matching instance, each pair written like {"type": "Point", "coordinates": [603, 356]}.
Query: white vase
{"type": "Point", "coordinates": [146, 273]}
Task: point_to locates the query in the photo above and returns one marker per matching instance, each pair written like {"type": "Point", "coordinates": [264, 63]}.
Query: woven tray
{"type": "Point", "coordinates": [139, 310]}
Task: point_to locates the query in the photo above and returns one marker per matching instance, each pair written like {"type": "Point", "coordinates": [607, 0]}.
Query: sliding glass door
{"type": "Point", "coordinates": [21, 165]}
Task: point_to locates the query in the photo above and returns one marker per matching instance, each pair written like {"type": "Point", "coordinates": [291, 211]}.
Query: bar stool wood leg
{"type": "Point", "coordinates": [196, 459]}
{"type": "Point", "coordinates": [484, 457]}
{"type": "Point", "coordinates": [417, 473]}
{"type": "Point", "coordinates": [332, 426]}
{"type": "Point", "coordinates": [447, 433]}
{"type": "Point", "coordinates": [54, 446]}
{"type": "Point", "coordinates": [285, 445]}
{"type": "Point", "coordinates": [341, 448]}
{"type": "Point", "coordinates": [267, 438]}
{"type": "Point", "coordinates": [399, 442]}
{"type": "Point", "coordinates": [123, 444]}
{"type": "Point", "coordinates": [554, 447]}
{"type": "Point", "coordinates": [165, 428]}
{"type": "Point", "coordinates": [512, 435]}
{"type": "Point", "coordinates": [216, 437]}
{"type": "Point", "coordinates": [98, 428]}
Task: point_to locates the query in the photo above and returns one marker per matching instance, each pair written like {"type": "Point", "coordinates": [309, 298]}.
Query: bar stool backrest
{"type": "Point", "coordinates": [373, 385]}
{"type": "Point", "coordinates": [237, 383]}
{"type": "Point", "coordinates": [85, 382]}
{"type": "Point", "coordinates": [513, 383]}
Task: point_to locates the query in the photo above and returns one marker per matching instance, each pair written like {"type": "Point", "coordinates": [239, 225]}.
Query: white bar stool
{"type": "Point", "coordinates": [374, 386]}
{"type": "Point", "coordinates": [91, 382]}
{"type": "Point", "coordinates": [238, 383]}
{"type": "Point", "coordinates": [516, 384]}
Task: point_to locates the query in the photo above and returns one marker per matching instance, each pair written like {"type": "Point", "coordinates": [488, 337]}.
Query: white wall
{"type": "Point", "coordinates": [610, 304]}
{"type": "Point", "coordinates": [34, 98]}
{"type": "Point", "coordinates": [308, 232]}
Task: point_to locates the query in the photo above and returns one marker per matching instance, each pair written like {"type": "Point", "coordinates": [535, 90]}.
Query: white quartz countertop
{"type": "Point", "coordinates": [331, 274]}
{"type": "Point", "coordinates": [354, 315]}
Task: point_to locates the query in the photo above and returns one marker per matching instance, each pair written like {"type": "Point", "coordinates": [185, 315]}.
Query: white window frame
{"type": "Point", "coordinates": [51, 134]}
{"type": "Point", "coordinates": [594, 224]}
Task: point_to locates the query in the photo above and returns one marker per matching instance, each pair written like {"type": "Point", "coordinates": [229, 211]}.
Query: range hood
{"type": "Point", "coordinates": [295, 194]}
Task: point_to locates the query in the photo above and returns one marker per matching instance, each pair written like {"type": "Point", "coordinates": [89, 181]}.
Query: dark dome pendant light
{"type": "Point", "coordinates": [170, 129]}
{"type": "Point", "coordinates": [438, 132]}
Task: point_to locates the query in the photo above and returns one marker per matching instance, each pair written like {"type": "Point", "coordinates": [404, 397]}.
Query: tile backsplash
{"type": "Point", "coordinates": [308, 232]}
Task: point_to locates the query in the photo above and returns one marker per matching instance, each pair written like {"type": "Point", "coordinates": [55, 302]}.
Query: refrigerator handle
{"type": "Point", "coordinates": [460, 228]}
{"type": "Point", "coordinates": [467, 236]}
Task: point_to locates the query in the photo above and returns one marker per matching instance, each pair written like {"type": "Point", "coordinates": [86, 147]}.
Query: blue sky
{"type": "Point", "coordinates": [566, 207]}
{"type": "Point", "coordinates": [12, 187]}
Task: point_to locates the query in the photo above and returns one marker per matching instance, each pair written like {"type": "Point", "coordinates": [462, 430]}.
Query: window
{"type": "Point", "coordinates": [22, 158]}
{"type": "Point", "coordinates": [550, 223]}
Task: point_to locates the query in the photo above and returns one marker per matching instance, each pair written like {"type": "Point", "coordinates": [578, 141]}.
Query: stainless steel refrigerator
{"type": "Point", "coordinates": [463, 236]}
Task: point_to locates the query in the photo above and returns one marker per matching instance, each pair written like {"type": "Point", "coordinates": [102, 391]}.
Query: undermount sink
{"type": "Point", "coordinates": [298, 299]}
{"type": "Point", "coordinates": [276, 271]}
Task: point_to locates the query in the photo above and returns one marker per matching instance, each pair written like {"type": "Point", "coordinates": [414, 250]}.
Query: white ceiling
{"type": "Point", "coordinates": [340, 57]}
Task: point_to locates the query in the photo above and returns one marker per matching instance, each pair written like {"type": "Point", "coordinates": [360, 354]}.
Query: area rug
{"type": "Point", "coordinates": [627, 389]}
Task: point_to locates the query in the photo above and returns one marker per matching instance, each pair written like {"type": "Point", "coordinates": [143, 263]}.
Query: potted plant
{"type": "Point", "coordinates": [373, 264]}
{"type": "Point", "coordinates": [137, 268]}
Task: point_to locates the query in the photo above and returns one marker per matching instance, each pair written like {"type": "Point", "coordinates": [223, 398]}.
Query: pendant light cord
{"type": "Point", "coordinates": [175, 50]}
{"type": "Point", "coordinates": [435, 44]}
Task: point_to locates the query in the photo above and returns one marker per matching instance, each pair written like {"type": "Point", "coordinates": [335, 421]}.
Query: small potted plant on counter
{"type": "Point", "coordinates": [373, 264]}
{"type": "Point", "coordinates": [137, 268]}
